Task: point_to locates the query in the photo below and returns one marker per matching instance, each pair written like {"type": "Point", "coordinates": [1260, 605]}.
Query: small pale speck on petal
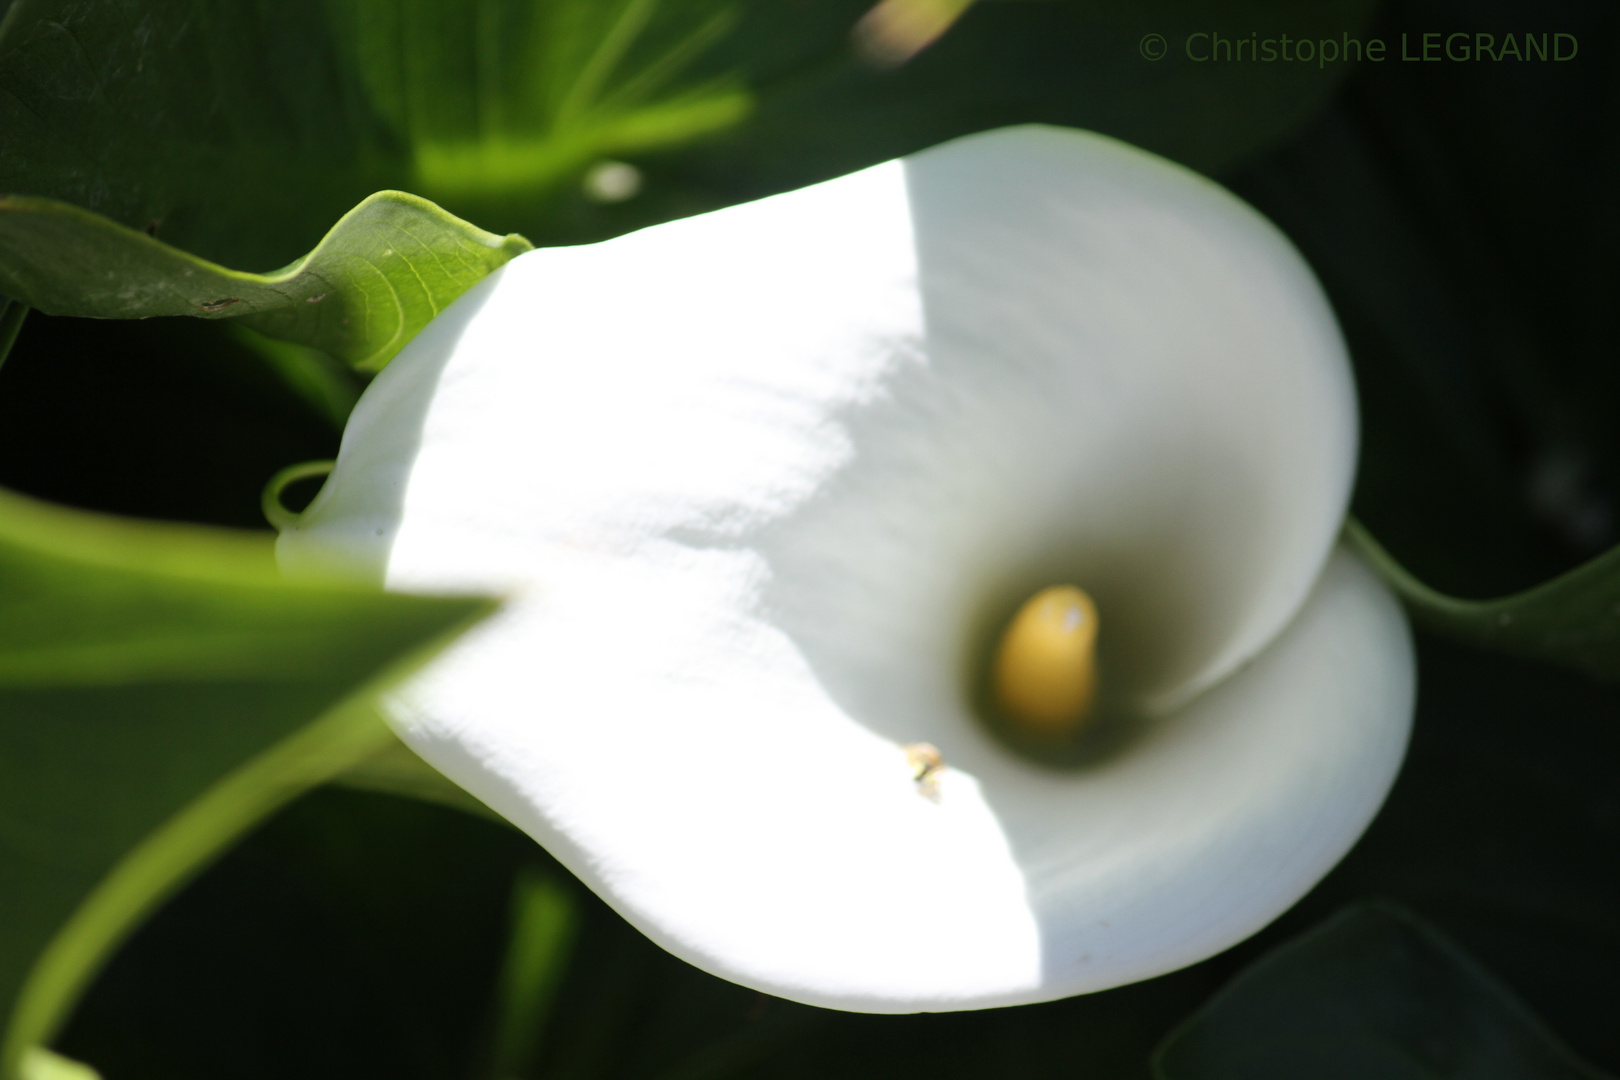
{"type": "Point", "coordinates": [926, 764]}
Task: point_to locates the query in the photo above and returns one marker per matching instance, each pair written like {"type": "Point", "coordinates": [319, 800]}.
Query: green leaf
{"type": "Point", "coordinates": [161, 690]}
{"type": "Point", "coordinates": [1372, 994]}
{"type": "Point", "coordinates": [382, 272]}
{"type": "Point", "coordinates": [1572, 620]}
{"type": "Point", "coordinates": [239, 132]}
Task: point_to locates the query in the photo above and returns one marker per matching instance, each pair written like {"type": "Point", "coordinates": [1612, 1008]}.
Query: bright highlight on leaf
{"type": "Point", "coordinates": [1045, 668]}
{"type": "Point", "coordinates": [381, 274]}
{"type": "Point", "coordinates": [42, 1064]}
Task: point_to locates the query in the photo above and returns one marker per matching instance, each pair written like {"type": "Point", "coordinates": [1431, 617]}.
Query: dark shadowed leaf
{"type": "Point", "coordinates": [1372, 994]}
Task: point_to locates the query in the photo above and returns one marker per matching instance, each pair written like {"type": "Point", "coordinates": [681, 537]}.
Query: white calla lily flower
{"type": "Point", "coordinates": [761, 486]}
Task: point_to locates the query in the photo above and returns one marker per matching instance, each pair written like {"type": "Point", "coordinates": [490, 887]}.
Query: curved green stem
{"type": "Point", "coordinates": [275, 512]}
{"type": "Point", "coordinates": [1572, 620]}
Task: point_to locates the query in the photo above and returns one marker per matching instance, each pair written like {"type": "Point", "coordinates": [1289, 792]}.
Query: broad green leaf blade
{"type": "Point", "coordinates": [161, 690]}
{"type": "Point", "coordinates": [1372, 994]}
{"type": "Point", "coordinates": [1572, 620]}
{"type": "Point", "coordinates": [382, 272]}
{"type": "Point", "coordinates": [504, 111]}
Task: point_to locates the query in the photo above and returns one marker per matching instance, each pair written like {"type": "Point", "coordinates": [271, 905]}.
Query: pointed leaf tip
{"type": "Point", "coordinates": [381, 274]}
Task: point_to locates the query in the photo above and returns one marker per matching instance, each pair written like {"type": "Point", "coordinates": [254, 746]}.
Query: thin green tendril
{"type": "Point", "coordinates": [275, 512]}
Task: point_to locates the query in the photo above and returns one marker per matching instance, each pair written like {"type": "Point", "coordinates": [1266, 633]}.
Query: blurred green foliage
{"type": "Point", "coordinates": [240, 131]}
{"type": "Point", "coordinates": [161, 689]}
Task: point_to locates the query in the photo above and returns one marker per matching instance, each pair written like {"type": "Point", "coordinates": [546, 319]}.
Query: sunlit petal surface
{"type": "Point", "coordinates": [762, 485]}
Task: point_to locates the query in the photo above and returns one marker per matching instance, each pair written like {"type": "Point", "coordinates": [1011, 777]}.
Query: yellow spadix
{"type": "Point", "coordinates": [1044, 676]}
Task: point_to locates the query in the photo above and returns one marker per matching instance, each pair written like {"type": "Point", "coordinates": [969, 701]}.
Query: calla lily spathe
{"type": "Point", "coordinates": [760, 484]}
